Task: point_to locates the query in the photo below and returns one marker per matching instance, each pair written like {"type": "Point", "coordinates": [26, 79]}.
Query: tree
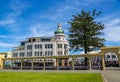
{"type": "Point", "coordinates": [85, 33]}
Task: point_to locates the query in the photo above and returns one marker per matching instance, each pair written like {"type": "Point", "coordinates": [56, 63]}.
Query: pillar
{"type": "Point", "coordinates": [21, 65]}
{"type": "Point", "coordinates": [2, 64]}
{"type": "Point", "coordinates": [89, 63]}
{"type": "Point", "coordinates": [57, 63]}
{"type": "Point", "coordinates": [67, 62]}
{"type": "Point", "coordinates": [119, 60]}
{"type": "Point", "coordinates": [63, 62]}
{"type": "Point", "coordinates": [44, 64]}
{"type": "Point", "coordinates": [103, 62]}
{"type": "Point", "coordinates": [32, 64]}
{"type": "Point", "coordinates": [73, 63]}
{"type": "Point", "coordinates": [11, 64]}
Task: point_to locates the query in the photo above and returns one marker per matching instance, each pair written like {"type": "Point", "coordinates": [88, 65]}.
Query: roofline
{"type": "Point", "coordinates": [111, 47]}
{"type": "Point", "coordinates": [39, 37]}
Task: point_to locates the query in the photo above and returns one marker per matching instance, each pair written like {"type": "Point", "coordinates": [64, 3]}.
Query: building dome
{"type": "Point", "coordinates": [59, 30]}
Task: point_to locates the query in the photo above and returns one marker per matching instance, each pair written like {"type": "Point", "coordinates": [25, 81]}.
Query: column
{"type": "Point", "coordinates": [119, 59]}
{"type": "Point", "coordinates": [103, 62]}
{"type": "Point", "coordinates": [89, 63]}
{"type": "Point", "coordinates": [63, 49]}
{"type": "Point", "coordinates": [57, 63]}
{"type": "Point", "coordinates": [2, 64]}
{"type": "Point", "coordinates": [32, 64]}
{"type": "Point", "coordinates": [63, 62]}
{"type": "Point", "coordinates": [21, 64]}
{"type": "Point", "coordinates": [67, 62]}
{"type": "Point", "coordinates": [11, 64]}
{"type": "Point", "coordinates": [73, 63]}
{"type": "Point", "coordinates": [44, 64]}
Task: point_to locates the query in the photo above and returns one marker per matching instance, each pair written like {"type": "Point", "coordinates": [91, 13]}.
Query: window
{"type": "Point", "coordinates": [29, 40]}
{"type": "Point", "coordinates": [5, 56]}
{"type": "Point", "coordinates": [22, 43]}
{"type": "Point", "coordinates": [108, 56]}
{"type": "Point", "coordinates": [113, 56]}
{"type": "Point", "coordinates": [38, 53]}
{"type": "Point", "coordinates": [45, 53]}
{"type": "Point", "coordinates": [29, 53]}
{"type": "Point", "coordinates": [59, 52]}
{"type": "Point", "coordinates": [38, 46]}
{"type": "Point", "coordinates": [29, 46]}
{"type": "Point", "coordinates": [33, 40]}
{"type": "Point", "coordinates": [45, 45]}
{"type": "Point", "coordinates": [15, 54]}
{"type": "Point", "coordinates": [65, 46]}
{"type": "Point", "coordinates": [22, 54]}
{"type": "Point", "coordinates": [48, 53]}
{"type": "Point", "coordinates": [59, 45]}
{"type": "Point", "coordinates": [51, 53]}
{"type": "Point", "coordinates": [48, 46]}
{"type": "Point", "coordinates": [45, 39]}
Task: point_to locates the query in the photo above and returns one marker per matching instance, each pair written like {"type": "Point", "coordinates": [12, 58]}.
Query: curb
{"type": "Point", "coordinates": [103, 77]}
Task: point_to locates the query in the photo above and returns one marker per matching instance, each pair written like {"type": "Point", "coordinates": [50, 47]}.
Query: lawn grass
{"type": "Point", "coordinates": [49, 77]}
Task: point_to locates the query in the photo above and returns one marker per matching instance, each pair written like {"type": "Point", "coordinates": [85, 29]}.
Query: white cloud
{"type": "Point", "coordinates": [39, 29]}
{"type": "Point", "coordinates": [113, 22]}
{"type": "Point", "coordinates": [5, 45]}
{"type": "Point", "coordinates": [84, 2]}
{"type": "Point", "coordinates": [7, 22]}
{"type": "Point", "coordinates": [17, 8]}
{"type": "Point", "coordinates": [112, 30]}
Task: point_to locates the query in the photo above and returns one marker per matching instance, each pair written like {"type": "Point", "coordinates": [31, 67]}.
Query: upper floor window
{"type": "Point", "coordinates": [113, 56]}
{"type": "Point", "coordinates": [65, 46]}
{"type": "Point", "coordinates": [48, 53]}
{"type": "Point", "coordinates": [108, 56]}
{"type": "Point", "coordinates": [34, 40]}
{"type": "Point", "coordinates": [15, 54]}
{"type": "Point", "coordinates": [38, 46]}
{"type": "Point", "coordinates": [29, 53]}
{"type": "Point", "coordinates": [22, 54]}
{"type": "Point", "coordinates": [38, 53]}
{"type": "Point", "coordinates": [59, 45]}
{"type": "Point", "coordinates": [48, 46]}
{"type": "Point", "coordinates": [5, 56]}
{"type": "Point", "coordinates": [29, 40]}
{"type": "Point", "coordinates": [29, 46]}
{"type": "Point", "coordinates": [45, 39]}
{"type": "Point", "coordinates": [59, 52]}
{"type": "Point", "coordinates": [22, 43]}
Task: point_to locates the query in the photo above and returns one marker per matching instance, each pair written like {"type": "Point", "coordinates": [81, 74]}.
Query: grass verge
{"type": "Point", "coordinates": [49, 77]}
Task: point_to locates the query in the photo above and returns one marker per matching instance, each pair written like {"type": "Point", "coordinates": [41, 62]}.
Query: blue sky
{"type": "Point", "coordinates": [20, 19]}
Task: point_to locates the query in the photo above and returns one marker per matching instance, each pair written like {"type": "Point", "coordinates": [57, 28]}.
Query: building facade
{"type": "Point", "coordinates": [42, 46]}
{"type": "Point", "coordinates": [5, 55]}
{"type": "Point", "coordinates": [111, 59]}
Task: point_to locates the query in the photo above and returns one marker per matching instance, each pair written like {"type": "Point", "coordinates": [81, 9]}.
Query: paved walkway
{"type": "Point", "coordinates": [63, 71]}
{"type": "Point", "coordinates": [112, 75]}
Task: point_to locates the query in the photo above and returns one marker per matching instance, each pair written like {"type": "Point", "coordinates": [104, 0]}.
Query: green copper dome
{"type": "Point", "coordinates": [59, 30]}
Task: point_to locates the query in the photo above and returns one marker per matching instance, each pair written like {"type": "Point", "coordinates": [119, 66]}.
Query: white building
{"type": "Point", "coordinates": [111, 59]}
{"type": "Point", "coordinates": [43, 46]}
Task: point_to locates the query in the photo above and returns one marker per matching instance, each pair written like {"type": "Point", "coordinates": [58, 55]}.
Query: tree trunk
{"type": "Point", "coordinates": [86, 59]}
